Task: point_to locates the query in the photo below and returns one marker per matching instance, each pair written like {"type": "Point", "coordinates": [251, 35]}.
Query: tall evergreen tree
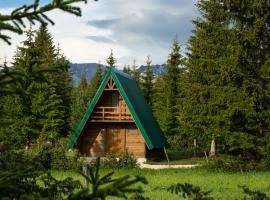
{"type": "Point", "coordinates": [43, 89]}
{"type": "Point", "coordinates": [175, 60]}
{"type": "Point", "coordinates": [159, 101]}
{"type": "Point", "coordinates": [80, 101]}
{"type": "Point", "coordinates": [135, 73]}
{"type": "Point", "coordinates": [226, 92]}
{"type": "Point", "coordinates": [147, 81]}
{"type": "Point", "coordinates": [83, 95]}
{"type": "Point", "coordinates": [111, 61]}
{"type": "Point", "coordinates": [127, 70]}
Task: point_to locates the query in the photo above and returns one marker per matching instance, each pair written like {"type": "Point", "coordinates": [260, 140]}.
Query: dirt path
{"type": "Point", "coordinates": [142, 164]}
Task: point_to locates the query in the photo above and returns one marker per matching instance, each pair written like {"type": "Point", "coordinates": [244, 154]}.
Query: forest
{"type": "Point", "coordinates": [213, 102]}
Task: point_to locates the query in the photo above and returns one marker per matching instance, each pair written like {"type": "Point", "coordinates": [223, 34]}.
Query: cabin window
{"type": "Point", "coordinates": [115, 101]}
{"type": "Point", "coordinates": [132, 130]}
{"type": "Point", "coordinates": [114, 135]}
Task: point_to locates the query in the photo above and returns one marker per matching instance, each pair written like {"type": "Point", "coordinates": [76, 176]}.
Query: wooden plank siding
{"type": "Point", "coordinates": [100, 139]}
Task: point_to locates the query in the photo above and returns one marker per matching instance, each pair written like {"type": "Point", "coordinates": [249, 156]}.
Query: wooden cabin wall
{"type": "Point", "coordinates": [135, 142]}
{"type": "Point", "coordinates": [97, 140]}
{"type": "Point", "coordinates": [92, 141]}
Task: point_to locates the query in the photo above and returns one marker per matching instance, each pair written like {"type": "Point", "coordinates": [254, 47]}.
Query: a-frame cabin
{"type": "Point", "coordinates": [119, 119]}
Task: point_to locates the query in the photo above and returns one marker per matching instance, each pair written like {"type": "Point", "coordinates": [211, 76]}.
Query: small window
{"type": "Point", "coordinates": [132, 130]}
{"type": "Point", "coordinates": [114, 135]}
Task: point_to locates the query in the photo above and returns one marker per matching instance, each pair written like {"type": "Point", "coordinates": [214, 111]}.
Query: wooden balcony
{"type": "Point", "coordinates": [111, 114]}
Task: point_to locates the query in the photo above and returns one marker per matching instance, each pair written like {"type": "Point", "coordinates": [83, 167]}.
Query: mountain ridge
{"type": "Point", "coordinates": [89, 69]}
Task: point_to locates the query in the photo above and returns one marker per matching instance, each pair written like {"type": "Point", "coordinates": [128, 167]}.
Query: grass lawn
{"type": "Point", "coordinates": [223, 185]}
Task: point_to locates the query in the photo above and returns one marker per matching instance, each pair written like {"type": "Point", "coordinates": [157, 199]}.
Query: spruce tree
{"type": "Point", "coordinates": [127, 70]}
{"type": "Point", "coordinates": [226, 90]}
{"type": "Point", "coordinates": [159, 101]}
{"type": "Point", "coordinates": [95, 82]}
{"type": "Point", "coordinates": [80, 100]}
{"type": "Point", "coordinates": [172, 77]}
{"type": "Point", "coordinates": [135, 73]}
{"type": "Point", "coordinates": [111, 61]}
{"type": "Point", "coordinates": [147, 81]}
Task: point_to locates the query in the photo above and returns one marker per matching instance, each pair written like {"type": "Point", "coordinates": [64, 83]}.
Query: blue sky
{"type": "Point", "coordinates": [133, 29]}
{"type": "Point", "coordinates": [13, 3]}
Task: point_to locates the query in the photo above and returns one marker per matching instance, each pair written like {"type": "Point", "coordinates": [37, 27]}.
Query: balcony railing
{"type": "Point", "coordinates": [111, 114]}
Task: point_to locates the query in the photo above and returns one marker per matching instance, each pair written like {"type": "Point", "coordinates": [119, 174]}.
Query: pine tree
{"type": "Point", "coordinates": [127, 70]}
{"type": "Point", "coordinates": [111, 61]}
{"type": "Point", "coordinates": [58, 77]}
{"type": "Point", "coordinates": [211, 93]}
{"type": "Point", "coordinates": [95, 82]}
{"type": "Point", "coordinates": [159, 101]}
{"type": "Point", "coordinates": [147, 81]}
{"type": "Point", "coordinates": [172, 90]}
{"type": "Point", "coordinates": [20, 120]}
{"type": "Point", "coordinates": [135, 73]}
{"type": "Point", "coordinates": [43, 90]}
{"type": "Point", "coordinates": [226, 91]}
{"type": "Point", "coordinates": [80, 101]}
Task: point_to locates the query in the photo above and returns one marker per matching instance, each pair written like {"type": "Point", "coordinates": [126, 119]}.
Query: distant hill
{"type": "Point", "coordinates": [157, 69]}
{"type": "Point", "coordinates": [79, 69]}
{"type": "Point", "coordinates": [89, 69]}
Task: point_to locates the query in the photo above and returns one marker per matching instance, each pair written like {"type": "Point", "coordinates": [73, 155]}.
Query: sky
{"type": "Point", "coordinates": [132, 29]}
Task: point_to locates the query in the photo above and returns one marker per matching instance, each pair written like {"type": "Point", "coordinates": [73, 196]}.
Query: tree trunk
{"type": "Point", "coordinates": [212, 152]}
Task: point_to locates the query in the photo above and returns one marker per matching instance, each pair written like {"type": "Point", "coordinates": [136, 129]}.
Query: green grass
{"type": "Point", "coordinates": [223, 185]}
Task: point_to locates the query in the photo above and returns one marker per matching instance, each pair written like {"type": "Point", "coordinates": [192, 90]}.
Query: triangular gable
{"type": "Point", "coordinates": [136, 104]}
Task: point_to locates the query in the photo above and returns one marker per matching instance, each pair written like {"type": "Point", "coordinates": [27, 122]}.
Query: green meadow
{"type": "Point", "coordinates": [223, 185]}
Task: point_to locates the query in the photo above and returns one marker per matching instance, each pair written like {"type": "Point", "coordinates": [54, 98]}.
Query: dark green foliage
{"type": "Point", "coordinates": [225, 88]}
{"type": "Point", "coordinates": [172, 79]}
{"type": "Point", "coordinates": [15, 22]}
{"type": "Point", "coordinates": [225, 163]}
{"type": "Point", "coordinates": [80, 100]}
{"type": "Point", "coordinates": [82, 96]}
{"type": "Point", "coordinates": [104, 186]}
{"type": "Point", "coordinates": [166, 94]}
{"type": "Point", "coordinates": [40, 103]}
{"type": "Point", "coordinates": [127, 70]}
{"type": "Point", "coordinates": [254, 195]}
{"type": "Point", "coordinates": [116, 161]}
{"type": "Point", "coordinates": [160, 101]}
{"type": "Point", "coordinates": [57, 157]}
{"type": "Point", "coordinates": [147, 81]}
{"type": "Point", "coordinates": [190, 191]}
{"type": "Point", "coordinates": [22, 176]}
{"type": "Point", "coordinates": [138, 196]}
{"type": "Point", "coordinates": [135, 73]}
{"type": "Point", "coordinates": [111, 61]}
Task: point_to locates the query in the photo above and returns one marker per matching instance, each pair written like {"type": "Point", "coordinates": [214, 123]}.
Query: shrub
{"type": "Point", "coordinates": [233, 164]}
{"type": "Point", "coordinates": [114, 161]}
{"type": "Point", "coordinates": [127, 160]}
{"type": "Point", "coordinates": [57, 157]}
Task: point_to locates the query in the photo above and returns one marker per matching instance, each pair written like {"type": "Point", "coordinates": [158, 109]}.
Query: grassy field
{"type": "Point", "coordinates": [223, 185]}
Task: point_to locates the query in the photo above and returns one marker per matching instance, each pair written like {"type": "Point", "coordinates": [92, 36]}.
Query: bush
{"type": "Point", "coordinates": [234, 164]}
{"type": "Point", "coordinates": [114, 161]}
{"type": "Point", "coordinates": [127, 160]}
{"type": "Point", "coordinates": [57, 157]}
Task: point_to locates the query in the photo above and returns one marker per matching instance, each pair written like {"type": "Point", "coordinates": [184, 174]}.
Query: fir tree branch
{"type": "Point", "coordinates": [34, 13]}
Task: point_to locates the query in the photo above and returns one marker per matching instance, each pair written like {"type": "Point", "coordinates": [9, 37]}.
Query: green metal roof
{"type": "Point", "coordinates": [137, 105]}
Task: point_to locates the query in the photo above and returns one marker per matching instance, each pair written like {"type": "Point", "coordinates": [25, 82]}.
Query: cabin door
{"type": "Point", "coordinates": [115, 139]}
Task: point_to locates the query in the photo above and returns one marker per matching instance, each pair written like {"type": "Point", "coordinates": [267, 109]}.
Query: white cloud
{"type": "Point", "coordinates": [133, 29]}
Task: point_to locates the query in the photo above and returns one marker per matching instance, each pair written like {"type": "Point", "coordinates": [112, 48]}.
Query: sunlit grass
{"type": "Point", "coordinates": [223, 185]}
